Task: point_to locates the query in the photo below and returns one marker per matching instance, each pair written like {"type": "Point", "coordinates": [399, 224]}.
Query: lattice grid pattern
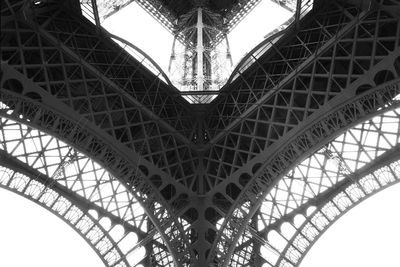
{"type": "Point", "coordinates": [70, 170]}
{"type": "Point", "coordinates": [232, 183]}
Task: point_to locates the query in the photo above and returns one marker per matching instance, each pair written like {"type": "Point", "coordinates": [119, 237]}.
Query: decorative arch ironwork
{"type": "Point", "coordinates": [84, 223]}
{"type": "Point", "coordinates": [202, 175]}
{"type": "Point", "coordinates": [304, 144]}
{"type": "Point", "coordinates": [355, 165]}
{"type": "Point", "coordinates": [46, 163]}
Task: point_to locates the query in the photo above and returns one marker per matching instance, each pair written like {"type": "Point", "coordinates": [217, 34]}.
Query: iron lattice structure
{"type": "Point", "coordinates": [295, 139]}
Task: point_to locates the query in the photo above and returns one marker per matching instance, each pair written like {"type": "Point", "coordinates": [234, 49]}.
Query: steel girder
{"type": "Point", "coordinates": [166, 225]}
{"type": "Point", "coordinates": [120, 163]}
{"type": "Point", "coordinates": [85, 88]}
{"type": "Point", "coordinates": [278, 93]}
{"type": "Point", "coordinates": [71, 185]}
{"type": "Point", "coordinates": [105, 85]}
{"type": "Point", "coordinates": [44, 70]}
{"type": "Point", "coordinates": [338, 168]}
{"type": "Point", "coordinates": [15, 81]}
{"type": "Point", "coordinates": [61, 76]}
{"type": "Point", "coordinates": [62, 177]}
{"type": "Point", "coordinates": [329, 76]}
{"type": "Point", "coordinates": [84, 223]}
{"type": "Point", "coordinates": [325, 209]}
{"type": "Point", "coordinates": [258, 182]}
{"type": "Point", "coordinates": [84, 194]}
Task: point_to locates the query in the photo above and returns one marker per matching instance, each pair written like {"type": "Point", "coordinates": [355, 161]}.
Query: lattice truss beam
{"type": "Point", "coordinates": [313, 194]}
{"type": "Point", "coordinates": [329, 164]}
{"type": "Point", "coordinates": [65, 181]}
{"type": "Point", "coordinates": [93, 112]}
{"type": "Point", "coordinates": [165, 223]}
{"type": "Point", "coordinates": [123, 235]}
{"type": "Point", "coordinates": [105, 85]}
{"type": "Point", "coordinates": [337, 55]}
{"type": "Point", "coordinates": [215, 188]}
{"type": "Point", "coordinates": [293, 81]}
{"type": "Point", "coordinates": [96, 78]}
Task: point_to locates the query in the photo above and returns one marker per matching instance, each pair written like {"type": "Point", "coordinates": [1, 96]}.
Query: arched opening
{"type": "Point", "coordinates": [348, 169]}
{"type": "Point", "coordinates": [76, 189]}
{"type": "Point", "coordinates": [367, 235]}
{"type": "Point", "coordinates": [32, 236]}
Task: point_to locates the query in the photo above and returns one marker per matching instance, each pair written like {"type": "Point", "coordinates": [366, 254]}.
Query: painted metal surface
{"type": "Point", "coordinates": [217, 183]}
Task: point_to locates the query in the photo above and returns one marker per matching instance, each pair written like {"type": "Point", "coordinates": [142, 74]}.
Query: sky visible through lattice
{"type": "Point", "coordinates": [31, 236]}
{"type": "Point", "coordinates": [136, 26]}
{"type": "Point", "coordinates": [367, 236]}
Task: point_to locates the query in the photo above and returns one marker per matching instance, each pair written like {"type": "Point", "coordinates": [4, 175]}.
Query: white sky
{"type": "Point", "coordinates": [31, 236]}
{"type": "Point", "coordinates": [263, 19]}
{"type": "Point", "coordinates": [135, 25]}
{"type": "Point", "coordinates": [367, 236]}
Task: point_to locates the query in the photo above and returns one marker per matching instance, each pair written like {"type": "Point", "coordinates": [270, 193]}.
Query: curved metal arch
{"type": "Point", "coordinates": [149, 121]}
{"type": "Point", "coordinates": [318, 221]}
{"type": "Point", "coordinates": [246, 60]}
{"type": "Point", "coordinates": [326, 174]}
{"type": "Point", "coordinates": [288, 26]}
{"type": "Point", "coordinates": [82, 222]}
{"type": "Point", "coordinates": [270, 133]}
{"type": "Point", "coordinates": [286, 205]}
{"type": "Point", "coordinates": [311, 137]}
{"type": "Point", "coordinates": [147, 57]}
{"type": "Point", "coordinates": [385, 64]}
{"type": "Point", "coordinates": [317, 179]}
{"type": "Point", "coordinates": [342, 156]}
{"type": "Point", "coordinates": [45, 120]}
{"type": "Point", "coordinates": [257, 94]}
{"type": "Point", "coordinates": [329, 169]}
{"type": "Point", "coordinates": [79, 179]}
{"type": "Point", "coordinates": [278, 118]}
{"type": "Point", "coordinates": [64, 166]}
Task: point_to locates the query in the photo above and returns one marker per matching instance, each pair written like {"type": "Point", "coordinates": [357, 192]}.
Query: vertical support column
{"type": "Point", "coordinates": [228, 52]}
{"type": "Point", "coordinates": [96, 14]}
{"type": "Point", "coordinates": [172, 58]}
{"type": "Point", "coordinates": [297, 15]}
{"type": "Point", "coordinates": [200, 50]}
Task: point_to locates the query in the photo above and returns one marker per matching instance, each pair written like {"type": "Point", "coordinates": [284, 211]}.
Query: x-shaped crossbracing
{"type": "Point", "coordinates": [112, 110]}
{"type": "Point", "coordinates": [359, 162]}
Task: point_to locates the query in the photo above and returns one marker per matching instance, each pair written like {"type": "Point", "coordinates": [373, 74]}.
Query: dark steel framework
{"type": "Point", "coordinates": [304, 133]}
